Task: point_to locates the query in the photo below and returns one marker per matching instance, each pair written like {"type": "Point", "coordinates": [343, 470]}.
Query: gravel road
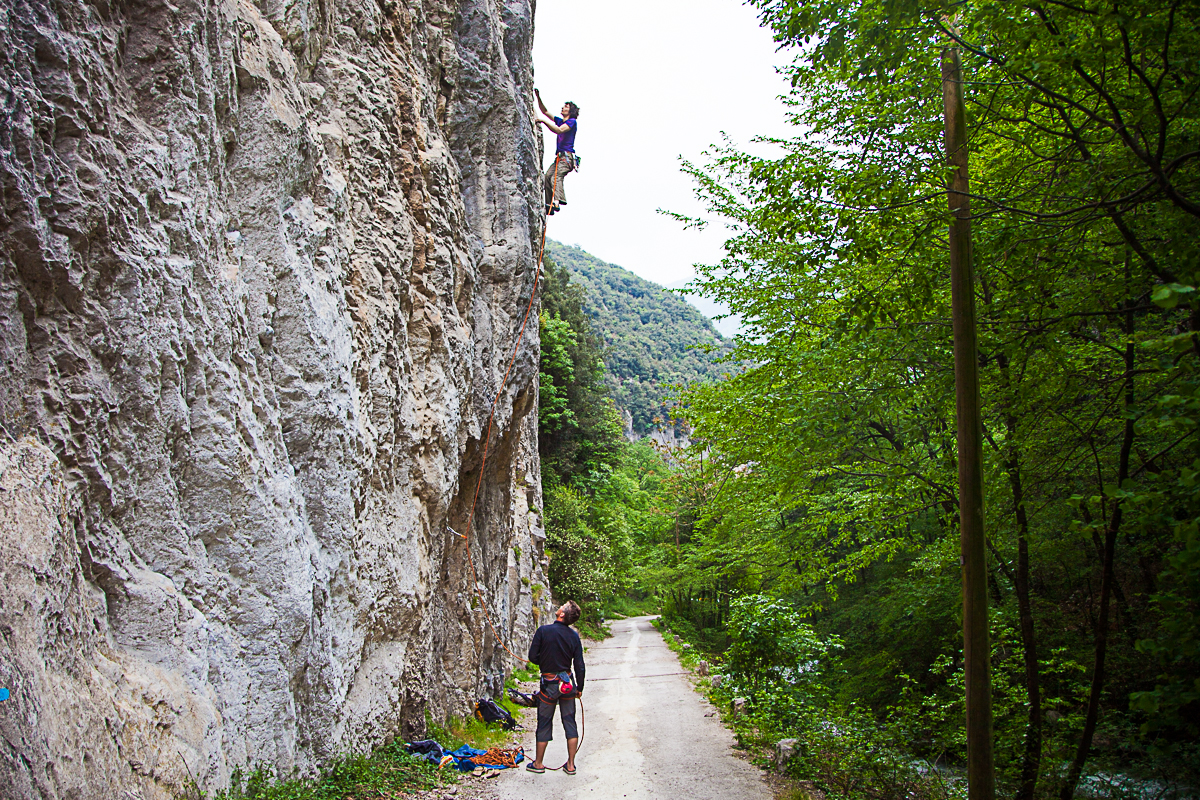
{"type": "Point", "coordinates": [647, 734]}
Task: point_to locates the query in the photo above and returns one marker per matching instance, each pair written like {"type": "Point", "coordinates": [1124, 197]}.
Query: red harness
{"type": "Point", "coordinates": [564, 687]}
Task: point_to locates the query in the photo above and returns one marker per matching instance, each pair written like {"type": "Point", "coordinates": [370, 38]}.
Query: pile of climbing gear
{"type": "Point", "coordinates": [466, 758]}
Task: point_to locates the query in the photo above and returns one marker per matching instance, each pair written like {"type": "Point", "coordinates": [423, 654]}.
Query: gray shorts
{"type": "Point", "coordinates": [545, 711]}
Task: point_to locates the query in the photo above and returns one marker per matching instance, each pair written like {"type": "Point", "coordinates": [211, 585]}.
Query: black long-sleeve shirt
{"type": "Point", "coordinates": [555, 647]}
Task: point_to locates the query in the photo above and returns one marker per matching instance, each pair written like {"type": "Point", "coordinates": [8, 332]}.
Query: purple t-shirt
{"type": "Point", "coordinates": [566, 141]}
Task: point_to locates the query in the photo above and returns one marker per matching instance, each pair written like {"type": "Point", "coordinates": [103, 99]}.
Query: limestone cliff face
{"type": "Point", "coordinates": [262, 266]}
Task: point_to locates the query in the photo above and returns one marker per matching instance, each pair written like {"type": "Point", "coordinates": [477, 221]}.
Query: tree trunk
{"type": "Point", "coordinates": [981, 779]}
{"type": "Point", "coordinates": [1032, 758]}
{"type": "Point", "coordinates": [1106, 583]}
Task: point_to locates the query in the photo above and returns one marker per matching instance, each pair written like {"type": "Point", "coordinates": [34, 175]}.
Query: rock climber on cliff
{"type": "Point", "coordinates": [554, 649]}
{"type": "Point", "coordinates": [564, 154]}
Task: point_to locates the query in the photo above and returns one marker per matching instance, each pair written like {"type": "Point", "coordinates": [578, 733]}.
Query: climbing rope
{"type": "Point", "coordinates": [503, 757]}
{"type": "Point", "coordinates": [466, 535]}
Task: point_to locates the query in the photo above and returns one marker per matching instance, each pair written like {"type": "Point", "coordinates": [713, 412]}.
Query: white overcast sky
{"type": "Point", "coordinates": [654, 80]}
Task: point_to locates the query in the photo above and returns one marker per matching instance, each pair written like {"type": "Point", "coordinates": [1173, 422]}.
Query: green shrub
{"type": "Point", "coordinates": [776, 660]}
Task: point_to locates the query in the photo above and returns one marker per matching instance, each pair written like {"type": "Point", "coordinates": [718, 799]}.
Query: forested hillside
{"type": "Point", "coordinates": [651, 336]}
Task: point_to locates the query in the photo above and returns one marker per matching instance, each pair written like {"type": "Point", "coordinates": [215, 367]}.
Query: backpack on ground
{"type": "Point", "coordinates": [487, 712]}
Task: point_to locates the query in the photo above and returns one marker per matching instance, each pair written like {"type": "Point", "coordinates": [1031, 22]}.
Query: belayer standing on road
{"type": "Point", "coordinates": [564, 153]}
{"type": "Point", "coordinates": [554, 648]}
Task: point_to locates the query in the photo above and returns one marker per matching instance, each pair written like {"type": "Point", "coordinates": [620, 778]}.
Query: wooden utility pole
{"type": "Point", "coordinates": [981, 780]}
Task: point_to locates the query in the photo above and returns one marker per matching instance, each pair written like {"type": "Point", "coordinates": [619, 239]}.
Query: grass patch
{"type": "Point", "coordinates": [592, 629]}
{"type": "Point", "coordinates": [689, 653]}
{"type": "Point", "coordinates": [387, 771]}
{"type": "Point", "coordinates": [527, 673]}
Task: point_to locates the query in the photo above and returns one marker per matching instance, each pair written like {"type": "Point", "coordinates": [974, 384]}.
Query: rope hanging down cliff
{"type": "Point", "coordinates": [466, 534]}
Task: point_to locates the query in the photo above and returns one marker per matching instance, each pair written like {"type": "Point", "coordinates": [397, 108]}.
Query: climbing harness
{"type": "Point", "coordinates": [561, 681]}
{"type": "Point", "coordinates": [466, 534]}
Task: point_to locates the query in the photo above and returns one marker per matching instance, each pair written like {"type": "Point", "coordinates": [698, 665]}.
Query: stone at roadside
{"type": "Point", "coordinates": [739, 706]}
{"type": "Point", "coordinates": [809, 790]}
{"type": "Point", "coordinates": [784, 752]}
{"type": "Point", "coordinates": [702, 668]}
{"type": "Point", "coordinates": [687, 646]}
{"type": "Point", "coordinates": [717, 680]}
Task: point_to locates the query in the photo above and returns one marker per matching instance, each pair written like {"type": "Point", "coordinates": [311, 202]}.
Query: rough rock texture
{"type": "Point", "coordinates": [262, 267]}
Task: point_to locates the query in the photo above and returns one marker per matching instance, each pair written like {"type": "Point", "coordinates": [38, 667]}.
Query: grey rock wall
{"type": "Point", "coordinates": [262, 268]}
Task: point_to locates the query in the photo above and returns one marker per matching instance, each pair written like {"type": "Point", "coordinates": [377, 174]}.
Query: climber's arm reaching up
{"type": "Point", "coordinates": [542, 105]}
{"type": "Point", "coordinates": [549, 122]}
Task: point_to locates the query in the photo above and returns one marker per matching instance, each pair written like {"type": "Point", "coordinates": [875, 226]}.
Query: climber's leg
{"type": "Point", "coordinates": [556, 195]}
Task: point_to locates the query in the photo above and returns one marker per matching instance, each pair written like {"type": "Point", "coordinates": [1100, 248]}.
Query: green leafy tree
{"type": "Point", "coordinates": [771, 643]}
{"type": "Point", "coordinates": [556, 375]}
{"type": "Point", "coordinates": [580, 563]}
{"type": "Point", "coordinates": [832, 457]}
{"type": "Point", "coordinates": [579, 430]}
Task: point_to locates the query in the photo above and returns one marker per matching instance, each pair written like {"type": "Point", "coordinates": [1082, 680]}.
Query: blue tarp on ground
{"type": "Point", "coordinates": [462, 754]}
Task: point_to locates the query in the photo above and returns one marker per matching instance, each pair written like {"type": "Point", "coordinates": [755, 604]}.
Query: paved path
{"type": "Point", "coordinates": [646, 733]}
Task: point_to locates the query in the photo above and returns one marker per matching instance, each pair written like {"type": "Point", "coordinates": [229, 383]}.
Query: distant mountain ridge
{"type": "Point", "coordinates": [728, 326]}
{"type": "Point", "coordinates": [653, 337]}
